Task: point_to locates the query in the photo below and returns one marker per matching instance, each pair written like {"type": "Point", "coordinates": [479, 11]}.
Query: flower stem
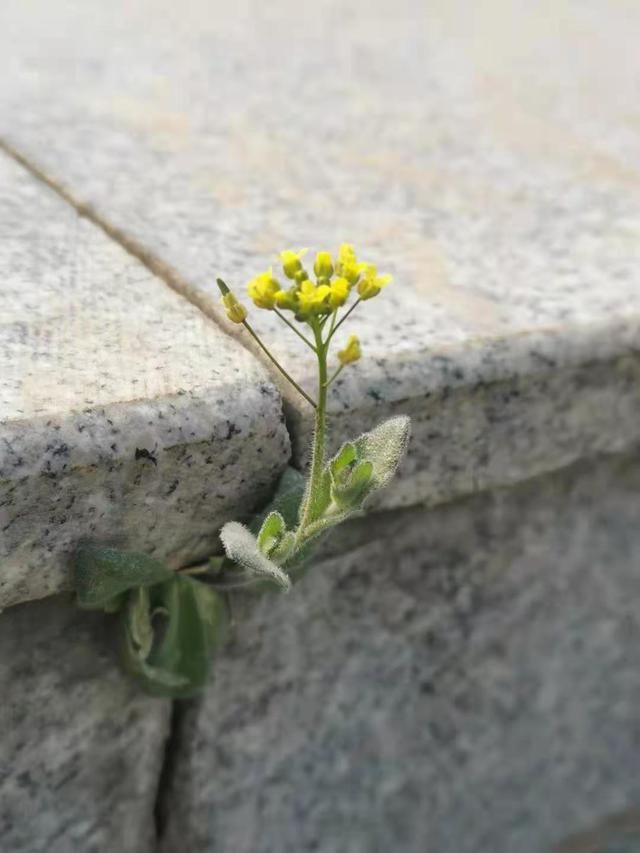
{"type": "Point", "coordinates": [293, 328]}
{"type": "Point", "coordinates": [341, 321]}
{"type": "Point", "coordinates": [335, 375]}
{"type": "Point", "coordinates": [279, 366]}
{"type": "Point", "coordinates": [318, 451]}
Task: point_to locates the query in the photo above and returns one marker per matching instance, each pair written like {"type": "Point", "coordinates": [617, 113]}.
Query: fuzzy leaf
{"type": "Point", "coordinates": [177, 664]}
{"type": "Point", "coordinates": [384, 447]}
{"type": "Point", "coordinates": [378, 454]}
{"type": "Point", "coordinates": [286, 500]}
{"type": "Point", "coordinates": [271, 532]}
{"type": "Point", "coordinates": [102, 574]}
{"type": "Point", "coordinates": [284, 547]}
{"type": "Point", "coordinates": [351, 493]}
{"type": "Point", "coordinates": [343, 459]}
{"type": "Point", "coordinates": [242, 547]}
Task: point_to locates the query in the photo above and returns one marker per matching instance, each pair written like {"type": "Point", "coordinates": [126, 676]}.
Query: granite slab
{"type": "Point", "coordinates": [126, 416]}
{"type": "Point", "coordinates": [463, 680]}
{"type": "Point", "coordinates": [82, 747]}
{"type": "Point", "coordinates": [488, 160]}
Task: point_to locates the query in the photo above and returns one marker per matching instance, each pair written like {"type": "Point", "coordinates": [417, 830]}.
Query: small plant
{"type": "Point", "coordinates": [173, 622]}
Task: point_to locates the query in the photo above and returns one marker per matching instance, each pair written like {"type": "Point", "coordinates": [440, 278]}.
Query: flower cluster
{"type": "Point", "coordinates": [306, 297]}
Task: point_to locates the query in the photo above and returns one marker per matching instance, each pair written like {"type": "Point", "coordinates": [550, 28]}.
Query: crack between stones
{"type": "Point", "coordinates": [161, 269]}
{"type": "Point", "coordinates": [171, 278]}
{"type": "Point", "coordinates": [166, 775]}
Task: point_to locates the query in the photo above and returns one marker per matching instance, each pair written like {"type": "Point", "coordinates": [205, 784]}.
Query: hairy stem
{"type": "Point", "coordinates": [317, 452]}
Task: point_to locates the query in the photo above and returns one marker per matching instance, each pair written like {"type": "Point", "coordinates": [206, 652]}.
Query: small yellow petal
{"type": "Point", "coordinates": [371, 283]}
{"type": "Point", "coordinates": [263, 288]}
{"type": "Point", "coordinates": [339, 292]}
{"type": "Point", "coordinates": [291, 263]}
{"type": "Point", "coordinates": [286, 299]}
{"type": "Point", "coordinates": [347, 264]}
{"type": "Point", "coordinates": [351, 352]}
{"type": "Point", "coordinates": [323, 266]}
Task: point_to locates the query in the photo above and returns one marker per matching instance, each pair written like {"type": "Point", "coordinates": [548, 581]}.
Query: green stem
{"type": "Point", "coordinates": [341, 321]}
{"type": "Point", "coordinates": [335, 375]}
{"type": "Point", "coordinates": [293, 328]}
{"type": "Point", "coordinates": [318, 450]}
{"type": "Point", "coordinates": [279, 366]}
{"type": "Point", "coordinates": [333, 324]}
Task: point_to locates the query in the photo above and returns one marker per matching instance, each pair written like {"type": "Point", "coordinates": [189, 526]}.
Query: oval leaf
{"type": "Point", "coordinates": [102, 574]}
{"type": "Point", "coordinates": [178, 664]}
{"type": "Point", "coordinates": [384, 447]}
{"type": "Point", "coordinates": [241, 546]}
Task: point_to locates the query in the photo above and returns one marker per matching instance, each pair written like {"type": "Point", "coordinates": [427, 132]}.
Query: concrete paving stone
{"type": "Point", "coordinates": [460, 149]}
{"type": "Point", "coordinates": [82, 748]}
{"type": "Point", "coordinates": [464, 680]}
{"type": "Point", "coordinates": [126, 416]}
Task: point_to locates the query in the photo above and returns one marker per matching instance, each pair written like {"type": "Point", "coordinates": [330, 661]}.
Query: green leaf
{"type": "Point", "coordinates": [349, 478]}
{"type": "Point", "coordinates": [378, 454]}
{"type": "Point", "coordinates": [139, 620]}
{"type": "Point", "coordinates": [102, 574]}
{"type": "Point", "coordinates": [351, 493]}
{"type": "Point", "coordinates": [242, 547]}
{"type": "Point", "coordinates": [283, 549]}
{"type": "Point", "coordinates": [286, 500]}
{"type": "Point", "coordinates": [271, 532]}
{"type": "Point", "coordinates": [343, 459]}
{"type": "Point", "coordinates": [384, 448]}
{"type": "Point", "coordinates": [178, 660]}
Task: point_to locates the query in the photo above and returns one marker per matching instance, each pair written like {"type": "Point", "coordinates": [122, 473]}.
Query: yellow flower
{"type": "Point", "coordinates": [323, 266]}
{"type": "Point", "coordinates": [236, 312]}
{"type": "Point", "coordinates": [347, 264]}
{"type": "Point", "coordinates": [351, 352]}
{"type": "Point", "coordinates": [339, 288]}
{"type": "Point", "coordinates": [291, 263]}
{"type": "Point", "coordinates": [263, 288]}
{"type": "Point", "coordinates": [371, 283]}
{"type": "Point", "coordinates": [287, 299]}
{"type": "Point", "coordinates": [313, 298]}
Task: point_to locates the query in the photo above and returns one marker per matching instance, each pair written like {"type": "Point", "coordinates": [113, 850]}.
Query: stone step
{"type": "Point", "coordinates": [506, 207]}
{"type": "Point", "coordinates": [463, 680]}
{"type": "Point", "coordinates": [82, 747]}
{"type": "Point", "coordinates": [126, 416]}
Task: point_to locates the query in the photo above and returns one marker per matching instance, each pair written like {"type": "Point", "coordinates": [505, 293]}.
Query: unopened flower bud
{"type": "Point", "coordinates": [291, 263]}
{"type": "Point", "coordinates": [323, 266]}
{"type": "Point", "coordinates": [351, 352]}
{"type": "Point", "coordinates": [236, 312]}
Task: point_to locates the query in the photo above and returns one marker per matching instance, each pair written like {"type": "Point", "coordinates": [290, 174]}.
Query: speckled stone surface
{"type": "Point", "coordinates": [490, 162]}
{"type": "Point", "coordinates": [126, 415]}
{"type": "Point", "coordinates": [464, 682]}
{"type": "Point", "coordinates": [81, 746]}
